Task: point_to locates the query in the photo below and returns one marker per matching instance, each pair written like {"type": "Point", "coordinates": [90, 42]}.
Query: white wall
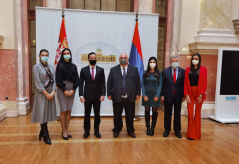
{"type": "Point", "coordinates": [7, 24]}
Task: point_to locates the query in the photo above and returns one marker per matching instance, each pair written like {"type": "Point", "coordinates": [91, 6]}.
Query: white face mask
{"type": "Point", "coordinates": [175, 65]}
{"type": "Point", "coordinates": [195, 62]}
{"type": "Point", "coordinates": [152, 65]}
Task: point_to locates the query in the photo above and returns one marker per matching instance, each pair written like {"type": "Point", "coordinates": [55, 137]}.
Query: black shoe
{"type": "Point", "coordinates": [65, 138]}
{"type": "Point", "coordinates": [154, 121]}
{"type": "Point", "coordinates": [191, 139]}
{"type": "Point", "coordinates": [147, 122]}
{"type": "Point", "coordinates": [166, 133]}
{"type": "Point", "coordinates": [69, 136]}
{"type": "Point", "coordinates": [45, 137]}
{"type": "Point", "coordinates": [97, 134]}
{"type": "Point", "coordinates": [44, 134]}
{"type": "Point", "coordinates": [86, 134]}
{"type": "Point", "coordinates": [115, 134]}
{"type": "Point", "coordinates": [178, 134]}
{"type": "Point", "coordinates": [132, 134]}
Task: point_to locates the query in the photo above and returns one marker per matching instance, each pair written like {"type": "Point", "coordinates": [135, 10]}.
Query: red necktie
{"type": "Point", "coordinates": [174, 78]}
{"type": "Point", "coordinates": [174, 75]}
{"type": "Point", "coordinates": [92, 74]}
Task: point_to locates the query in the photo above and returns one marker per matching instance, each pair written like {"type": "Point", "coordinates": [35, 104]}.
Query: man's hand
{"type": "Point", "coordinates": [162, 98]}
{"type": "Point", "coordinates": [82, 99]}
{"type": "Point", "coordinates": [137, 97]}
{"type": "Point", "coordinates": [109, 97]}
{"type": "Point", "coordinates": [102, 98]}
{"type": "Point", "coordinates": [183, 99]}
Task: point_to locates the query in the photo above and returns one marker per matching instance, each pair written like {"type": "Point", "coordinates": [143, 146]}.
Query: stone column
{"type": "Point", "coordinates": [54, 3]}
{"type": "Point", "coordinates": [145, 6]}
{"type": "Point", "coordinates": [173, 29]}
{"type": "Point", "coordinates": [22, 58]}
{"type": "Point", "coordinates": [176, 27]}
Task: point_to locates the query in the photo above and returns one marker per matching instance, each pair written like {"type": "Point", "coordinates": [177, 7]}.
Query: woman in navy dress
{"type": "Point", "coordinates": [151, 88]}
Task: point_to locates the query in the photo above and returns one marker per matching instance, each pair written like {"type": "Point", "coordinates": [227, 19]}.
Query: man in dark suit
{"type": "Point", "coordinates": [172, 94]}
{"type": "Point", "coordinates": [94, 92]}
{"type": "Point", "coordinates": [123, 88]}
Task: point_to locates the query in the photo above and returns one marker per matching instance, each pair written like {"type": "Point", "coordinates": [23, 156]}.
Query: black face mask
{"type": "Point", "coordinates": [92, 62]}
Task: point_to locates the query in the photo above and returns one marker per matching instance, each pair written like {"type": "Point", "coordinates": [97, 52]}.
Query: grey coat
{"type": "Point", "coordinates": [44, 110]}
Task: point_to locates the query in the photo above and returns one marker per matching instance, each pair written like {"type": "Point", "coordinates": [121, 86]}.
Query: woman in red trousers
{"type": "Point", "coordinates": [194, 90]}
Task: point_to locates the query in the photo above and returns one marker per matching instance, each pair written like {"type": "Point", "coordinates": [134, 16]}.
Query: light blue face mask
{"type": "Point", "coordinates": [67, 57]}
{"type": "Point", "coordinates": [44, 58]}
{"type": "Point", "coordinates": [175, 65]}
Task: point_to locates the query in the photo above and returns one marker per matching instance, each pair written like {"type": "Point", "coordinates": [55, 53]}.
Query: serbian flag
{"type": "Point", "coordinates": [62, 42]}
{"type": "Point", "coordinates": [136, 57]}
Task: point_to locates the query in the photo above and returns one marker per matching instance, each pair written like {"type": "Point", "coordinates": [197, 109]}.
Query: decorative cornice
{"type": "Point", "coordinates": [208, 47]}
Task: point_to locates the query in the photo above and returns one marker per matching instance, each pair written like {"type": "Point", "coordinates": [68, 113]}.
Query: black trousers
{"type": "Point", "coordinates": [168, 107]}
{"type": "Point", "coordinates": [129, 113]}
{"type": "Point", "coordinates": [88, 105]}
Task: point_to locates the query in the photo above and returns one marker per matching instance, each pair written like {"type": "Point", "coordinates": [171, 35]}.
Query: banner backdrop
{"type": "Point", "coordinates": [106, 33]}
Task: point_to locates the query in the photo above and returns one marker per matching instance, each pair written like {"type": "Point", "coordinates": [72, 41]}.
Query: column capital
{"type": "Point", "coordinates": [236, 26]}
{"type": "Point", "coordinates": [215, 24]}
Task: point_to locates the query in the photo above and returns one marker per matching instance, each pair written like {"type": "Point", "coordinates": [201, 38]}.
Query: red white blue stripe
{"type": "Point", "coordinates": [136, 57]}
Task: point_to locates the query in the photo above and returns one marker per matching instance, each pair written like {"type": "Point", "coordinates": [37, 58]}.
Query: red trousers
{"type": "Point", "coordinates": [194, 121]}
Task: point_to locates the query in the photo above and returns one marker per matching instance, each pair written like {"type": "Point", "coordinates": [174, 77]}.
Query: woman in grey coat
{"type": "Point", "coordinates": [44, 108]}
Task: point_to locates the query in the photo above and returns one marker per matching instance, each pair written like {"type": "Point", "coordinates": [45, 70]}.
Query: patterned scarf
{"type": "Point", "coordinates": [49, 77]}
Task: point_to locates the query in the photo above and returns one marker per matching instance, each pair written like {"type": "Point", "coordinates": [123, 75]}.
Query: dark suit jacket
{"type": "Point", "coordinates": [169, 85]}
{"type": "Point", "coordinates": [115, 83]}
{"type": "Point", "coordinates": [92, 89]}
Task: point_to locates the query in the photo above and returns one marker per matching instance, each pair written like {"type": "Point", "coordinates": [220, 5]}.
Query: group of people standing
{"type": "Point", "coordinates": [172, 86]}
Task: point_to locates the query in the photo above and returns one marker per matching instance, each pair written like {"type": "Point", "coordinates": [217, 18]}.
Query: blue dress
{"type": "Point", "coordinates": [151, 87]}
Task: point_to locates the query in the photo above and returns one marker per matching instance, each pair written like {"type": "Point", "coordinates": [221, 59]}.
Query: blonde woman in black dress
{"type": "Point", "coordinates": [67, 82]}
{"type": "Point", "coordinates": [44, 107]}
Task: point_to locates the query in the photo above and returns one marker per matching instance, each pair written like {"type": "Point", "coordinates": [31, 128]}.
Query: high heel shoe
{"type": "Point", "coordinates": [43, 134]}
{"type": "Point", "coordinates": [65, 138]}
{"type": "Point", "coordinates": [154, 121]}
{"type": "Point", "coordinates": [147, 122]}
{"type": "Point", "coordinates": [45, 137]}
{"type": "Point", "coordinates": [69, 136]}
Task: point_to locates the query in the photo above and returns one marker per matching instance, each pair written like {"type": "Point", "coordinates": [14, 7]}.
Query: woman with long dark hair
{"type": "Point", "coordinates": [151, 88]}
{"type": "Point", "coordinates": [44, 107]}
{"type": "Point", "coordinates": [194, 89]}
{"type": "Point", "coordinates": [67, 82]}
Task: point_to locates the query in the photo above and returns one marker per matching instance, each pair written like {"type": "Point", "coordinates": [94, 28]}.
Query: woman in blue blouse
{"type": "Point", "coordinates": [151, 88]}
